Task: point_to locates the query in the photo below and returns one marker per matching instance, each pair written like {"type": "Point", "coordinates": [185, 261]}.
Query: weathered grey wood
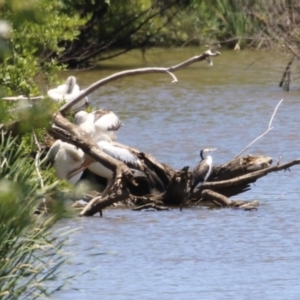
{"type": "Point", "coordinates": [251, 177]}
{"type": "Point", "coordinates": [239, 166]}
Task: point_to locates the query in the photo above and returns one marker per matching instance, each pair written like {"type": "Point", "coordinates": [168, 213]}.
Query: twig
{"type": "Point", "coordinates": [286, 73]}
{"type": "Point", "coordinates": [269, 129]}
{"type": "Point", "coordinates": [136, 72]}
{"type": "Point", "coordinates": [175, 80]}
{"type": "Point", "coordinates": [36, 163]}
{"type": "Point", "coordinates": [274, 113]}
{"type": "Point", "coordinates": [21, 97]}
{"type": "Point", "coordinates": [253, 63]}
{"type": "Point", "coordinates": [20, 108]}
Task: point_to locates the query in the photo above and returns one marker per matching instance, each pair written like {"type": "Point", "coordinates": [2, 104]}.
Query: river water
{"type": "Point", "coordinates": [198, 253]}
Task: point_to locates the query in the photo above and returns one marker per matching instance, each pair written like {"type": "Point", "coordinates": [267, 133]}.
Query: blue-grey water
{"type": "Point", "coordinates": [198, 253]}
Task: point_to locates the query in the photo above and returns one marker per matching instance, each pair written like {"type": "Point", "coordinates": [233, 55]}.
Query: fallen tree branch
{"type": "Point", "coordinates": [249, 178]}
{"type": "Point", "coordinates": [237, 167]}
{"type": "Point", "coordinates": [222, 201]}
{"type": "Point", "coordinates": [136, 72]}
{"type": "Point", "coordinates": [240, 166]}
{"type": "Point", "coordinates": [118, 192]}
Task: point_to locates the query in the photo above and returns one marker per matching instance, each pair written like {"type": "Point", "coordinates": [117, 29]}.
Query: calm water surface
{"type": "Point", "coordinates": [198, 253]}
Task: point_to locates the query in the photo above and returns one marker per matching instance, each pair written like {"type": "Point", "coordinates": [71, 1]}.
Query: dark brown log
{"type": "Point", "coordinates": [118, 192]}
{"type": "Point", "coordinates": [174, 195]}
{"type": "Point", "coordinates": [222, 201]}
{"type": "Point", "coordinates": [176, 190]}
{"type": "Point", "coordinates": [217, 198]}
{"type": "Point", "coordinates": [150, 206]}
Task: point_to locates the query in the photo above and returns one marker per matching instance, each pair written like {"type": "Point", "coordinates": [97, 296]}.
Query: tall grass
{"type": "Point", "coordinates": [30, 254]}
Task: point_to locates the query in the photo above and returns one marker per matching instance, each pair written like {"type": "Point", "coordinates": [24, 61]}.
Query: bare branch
{"type": "Point", "coordinates": [173, 76]}
{"type": "Point", "coordinates": [251, 177]}
{"type": "Point", "coordinates": [136, 72]}
{"type": "Point", "coordinates": [21, 97]}
{"type": "Point", "coordinates": [269, 129]}
{"type": "Point", "coordinates": [274, 113]}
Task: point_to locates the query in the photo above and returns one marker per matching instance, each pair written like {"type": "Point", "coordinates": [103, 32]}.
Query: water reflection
{"type": "Point", "coordinates": [199, 253]}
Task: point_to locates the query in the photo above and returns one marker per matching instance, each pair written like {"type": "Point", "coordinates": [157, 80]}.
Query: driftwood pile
{"type": "Point", "coordinates": [225, 181]}
{"type": "Point", "coordinates": [171, 186]}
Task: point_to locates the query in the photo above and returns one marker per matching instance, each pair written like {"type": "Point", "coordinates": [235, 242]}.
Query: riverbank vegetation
{"type": "Point", "coordinates": [48, 36]}
{"type": "Point", "coordinates": [30, 254]}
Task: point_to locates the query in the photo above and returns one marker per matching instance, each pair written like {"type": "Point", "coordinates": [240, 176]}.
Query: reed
{"type": "Point", "coordinates": [30, 253]}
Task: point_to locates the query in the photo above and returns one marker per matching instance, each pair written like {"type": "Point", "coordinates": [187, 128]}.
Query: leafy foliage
{"type": "Point", "coordinates": [38, 29]}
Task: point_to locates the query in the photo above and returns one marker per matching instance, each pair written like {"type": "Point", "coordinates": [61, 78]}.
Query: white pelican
{"type": "Point", "coordinates": [98, 122]}
{"type": "Point", "coordinates": [66, 157]}
{"type": "Point", "coordinates": [67, 92]}
{"type": "Point", "coordinates": [116, 151]}
{"type": "Point", "coordinates": [202, 171]}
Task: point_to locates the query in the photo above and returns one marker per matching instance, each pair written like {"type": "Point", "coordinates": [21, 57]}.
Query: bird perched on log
{"type": "Point", "coordinates": [202, 171]}
{"type": "Point", "coordinates": [65, 158]}
{"type": "Point", "coordinates": [67, 92]}
{"type": "Point", "coordinates": [123, 154]}
{"type": "Point", "coordinates": [98, 122]}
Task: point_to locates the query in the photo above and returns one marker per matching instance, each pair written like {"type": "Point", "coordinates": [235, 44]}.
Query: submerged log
{"type": "Point", "coordinates": [216, 198]}
{"type": "Point", "coordinates": [222, 201]}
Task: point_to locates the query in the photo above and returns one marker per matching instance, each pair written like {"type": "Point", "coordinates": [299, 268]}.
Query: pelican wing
{"type": "Point", "coordinates": [121, 154]}
{"type": "Point", "coordinates": [56, 95]}
{"type": "Point", "coordinates": [106, 120]}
